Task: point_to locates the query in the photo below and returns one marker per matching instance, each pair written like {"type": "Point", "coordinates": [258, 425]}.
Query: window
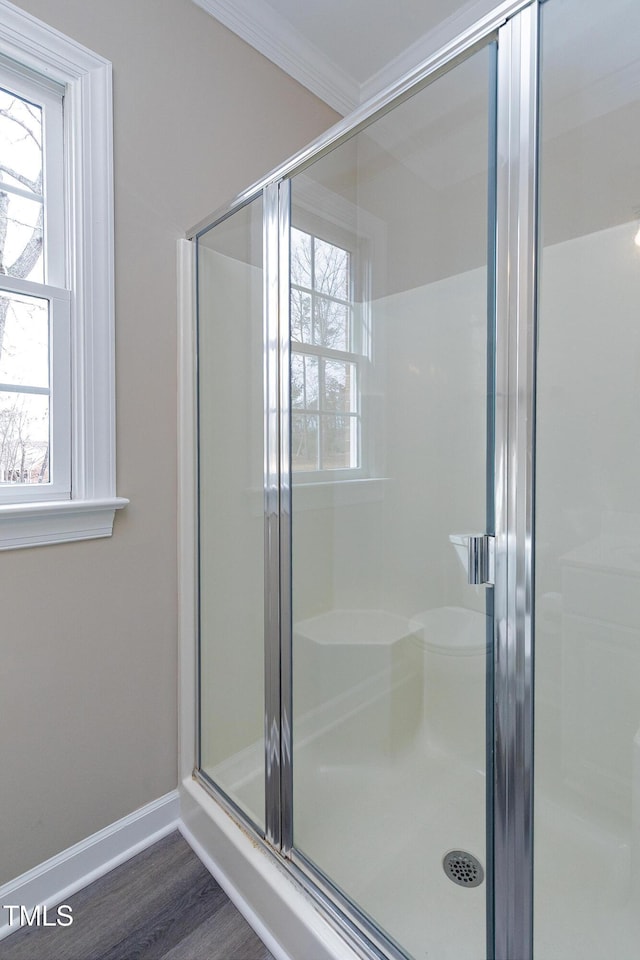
{"type": "Point", "coordinates": [326, 360]}
{"type": "Point", "coordinates": [34, 304]}
{"type": "Point", "coordinates": [57, 443]}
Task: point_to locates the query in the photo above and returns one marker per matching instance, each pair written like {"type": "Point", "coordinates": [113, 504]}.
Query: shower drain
{"type": "Point", "coordinates": [463, 868]}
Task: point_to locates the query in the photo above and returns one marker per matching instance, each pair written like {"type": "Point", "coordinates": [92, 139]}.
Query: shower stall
{"type": "Point", "coordinates": [416, 516]}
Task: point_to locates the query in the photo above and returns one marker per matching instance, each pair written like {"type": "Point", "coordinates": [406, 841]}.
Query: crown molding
{"type": "Point", "coordinates": [256, 22]}
{"type": "Point", "coordinates": [271, 35]}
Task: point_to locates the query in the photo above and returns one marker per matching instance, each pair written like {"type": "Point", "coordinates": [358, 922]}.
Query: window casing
{"type": "Point", "coordinates": [78, 287]}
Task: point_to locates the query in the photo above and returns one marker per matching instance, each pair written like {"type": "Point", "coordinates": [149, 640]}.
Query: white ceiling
{"type": "Point", "coordinates": [345, 51]}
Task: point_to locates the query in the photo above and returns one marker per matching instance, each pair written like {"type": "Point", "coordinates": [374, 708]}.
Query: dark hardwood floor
{"type": "Point", "coordinates": [161, 905]}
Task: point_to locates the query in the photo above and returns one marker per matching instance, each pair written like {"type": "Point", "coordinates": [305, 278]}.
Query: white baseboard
{"type": "Point", "coordinates": [52, 882]}
{"type": "Point", "coordinates": [280, 912]}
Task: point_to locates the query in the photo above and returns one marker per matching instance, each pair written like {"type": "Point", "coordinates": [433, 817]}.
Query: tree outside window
{"type": "Point", "coordinates": [24, 319]}
{"type": "Point", "coordinates": [325, 367]}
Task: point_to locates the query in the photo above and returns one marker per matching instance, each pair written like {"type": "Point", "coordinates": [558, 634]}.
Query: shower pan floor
{"type": "Point", "coordinates": [379, 830]}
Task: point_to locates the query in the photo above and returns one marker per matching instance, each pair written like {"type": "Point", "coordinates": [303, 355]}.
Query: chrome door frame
{"type": "Point", "coordinates": [516, 301]}
{"type": "Point", "coordinates": [272, 517]}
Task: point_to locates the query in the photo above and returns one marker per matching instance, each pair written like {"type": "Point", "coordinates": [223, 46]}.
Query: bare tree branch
{"type": "Point", "coordinates": [4, 309]}
{"type": "Point", "coordinates": [22, 458]}
{"type": "Point", "coordinates": [34, 185]}
{"type": "Point", "coordinates": [4, 209]}
{"type": "Point", "coordinates": [6, 112]}
{"type": "Point", "coordinates": [24, 264]}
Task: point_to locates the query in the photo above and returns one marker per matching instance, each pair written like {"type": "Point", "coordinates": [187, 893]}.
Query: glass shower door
{"type": "Point", "coordinates": [391, 446]}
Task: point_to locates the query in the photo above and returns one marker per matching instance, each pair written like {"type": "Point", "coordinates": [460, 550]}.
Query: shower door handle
{"type": "Point", "coordinates": [481, 559]}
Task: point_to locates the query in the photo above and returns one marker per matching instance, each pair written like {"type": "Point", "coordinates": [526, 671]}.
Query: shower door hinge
{"type": "Point", "coordinates": [481, 559]}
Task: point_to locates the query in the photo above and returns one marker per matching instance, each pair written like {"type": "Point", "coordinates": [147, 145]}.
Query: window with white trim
{"type": "Point", "coordinates": [57, 373]}
{"type": "Point", "coordinates": [35, 422]}
{"type": "Point", "coordinates": [326, 359]}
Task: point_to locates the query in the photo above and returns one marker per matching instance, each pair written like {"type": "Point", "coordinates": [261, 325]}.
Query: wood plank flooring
{"type": "Point", "coordinates": [161, 905]}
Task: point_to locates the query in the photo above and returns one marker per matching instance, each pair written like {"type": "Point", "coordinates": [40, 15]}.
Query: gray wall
{"type": "Point", "coordinates": [89, 630]}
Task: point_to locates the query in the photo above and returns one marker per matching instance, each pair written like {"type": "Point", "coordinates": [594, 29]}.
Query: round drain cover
{"type": "Point", "coordinates": [463, 868]}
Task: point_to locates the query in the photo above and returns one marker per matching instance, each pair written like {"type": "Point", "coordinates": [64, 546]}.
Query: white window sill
{"type": "Point", "coordinates": [56, 521]}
